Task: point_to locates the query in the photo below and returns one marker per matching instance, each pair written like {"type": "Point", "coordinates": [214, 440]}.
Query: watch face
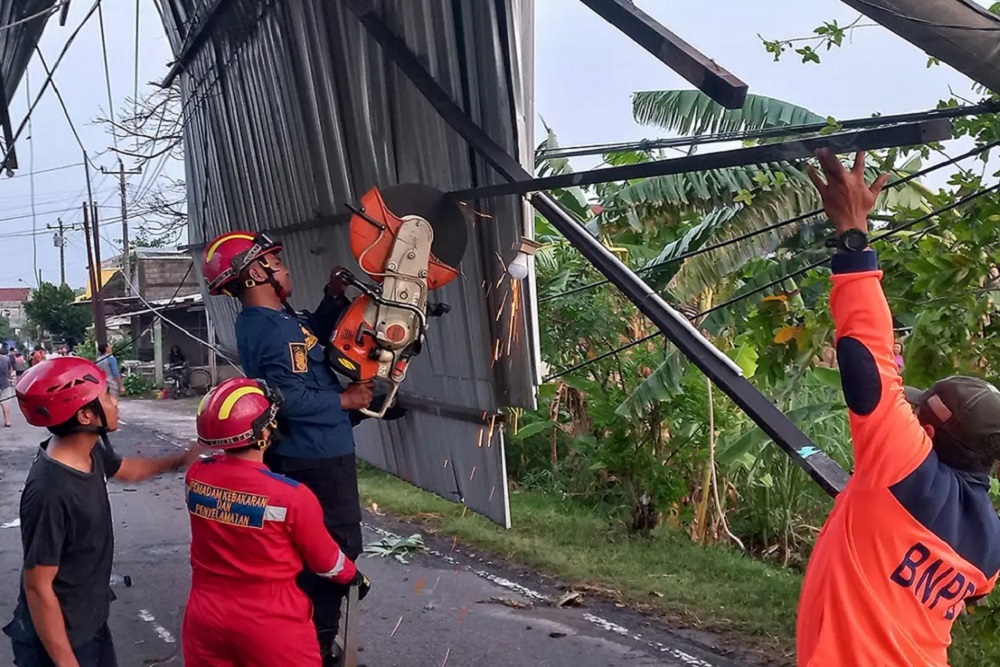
{"type": "Point", "coordinates": [854, 239]}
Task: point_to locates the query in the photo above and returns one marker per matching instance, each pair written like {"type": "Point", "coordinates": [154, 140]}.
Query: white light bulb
{"type": "Point", "coordinates": [518, 269]}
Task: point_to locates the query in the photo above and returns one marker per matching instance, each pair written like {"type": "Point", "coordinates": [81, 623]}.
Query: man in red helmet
{"type": "Point", "coordinates": [316, 446]}
{"type": "Point", "coordinates": [62, 611]}
{"type": "Point", "coordinates": [251, 532]}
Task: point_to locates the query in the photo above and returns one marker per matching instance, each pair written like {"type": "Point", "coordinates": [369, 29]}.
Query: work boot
{"type": "Point", "coordinates": [329, 649]}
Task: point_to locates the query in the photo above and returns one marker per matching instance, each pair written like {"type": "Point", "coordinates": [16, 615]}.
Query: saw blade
{"type": "Point", "coordinates": [446, 217]}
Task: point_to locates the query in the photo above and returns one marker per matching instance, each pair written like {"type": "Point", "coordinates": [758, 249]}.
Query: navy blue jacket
{"type": "Point", "coordinates": [288, 353]}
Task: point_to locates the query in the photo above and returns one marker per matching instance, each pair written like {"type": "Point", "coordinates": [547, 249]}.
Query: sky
{"type": "Point", "coordinates": [585, 73]}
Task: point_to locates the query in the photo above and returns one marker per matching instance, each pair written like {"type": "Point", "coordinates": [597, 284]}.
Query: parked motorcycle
{"type": "Point", "coordinates": [180, 381]}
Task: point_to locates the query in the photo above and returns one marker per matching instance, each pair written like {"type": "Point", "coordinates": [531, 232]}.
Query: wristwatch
{"type": "Point", "coordinates": [853, 240]}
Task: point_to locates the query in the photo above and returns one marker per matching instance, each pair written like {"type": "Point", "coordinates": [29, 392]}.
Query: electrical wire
{"type": "Point", "coordinates": [31, 181]}
{"type": "Point", "coordinates": [107, 72]}
{"type": "Point", "coordinates": [43, 171]}
{"type": "Point", "coordinates": [62, 103]}
{"type": "Point", "coordinates": [135, 84]}
{"type": "Point", "coordinates": [187, 333]}
{"type": "Point", "coordinates": [989, 106]}
{"type": "Point", "coordinates": [768, 228]}
{"type": "Point", "coordinates": [48, 80]}
{"type": "Point", "coordinates": [778, 281]}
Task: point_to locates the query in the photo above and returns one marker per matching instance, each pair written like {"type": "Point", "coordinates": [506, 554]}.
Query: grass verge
{"type": "Point", "coordinates": [749, 602]}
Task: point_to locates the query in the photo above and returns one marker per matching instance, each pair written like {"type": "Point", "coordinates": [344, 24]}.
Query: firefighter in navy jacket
{"type": "Point", "coordinates": [316, 445]}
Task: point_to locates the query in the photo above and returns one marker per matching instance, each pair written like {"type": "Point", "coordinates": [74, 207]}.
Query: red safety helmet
{"type": "Point", "coordinates": [235, 413]}
{"type": "Point", "coordinates": [228, 255]}
{"type": "Point", "coordinates": [52, 392]}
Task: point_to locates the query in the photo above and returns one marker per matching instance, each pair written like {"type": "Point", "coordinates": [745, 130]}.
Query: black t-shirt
{"type": "Point", "coordinates": [66, 522]}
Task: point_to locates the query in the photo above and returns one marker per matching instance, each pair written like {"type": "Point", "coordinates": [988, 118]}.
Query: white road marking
{"type": "Point", "coordinates": [603, 623]}
{"type": "Point", "coordinates": [160, 631]}
{"type": "Point", "coordinates": [12, 524]}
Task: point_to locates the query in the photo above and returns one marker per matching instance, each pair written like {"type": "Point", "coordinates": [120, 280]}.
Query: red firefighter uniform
{"type": "Point", "coordinates": [252, 531]}
{"type": "Point", "coordinates": [910, 539]}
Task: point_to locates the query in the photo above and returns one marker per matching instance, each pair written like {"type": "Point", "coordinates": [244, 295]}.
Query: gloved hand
{"type": "Point", "coordinates": [337, 286]}
{"type": "Point", "coordinates": [361, 581]}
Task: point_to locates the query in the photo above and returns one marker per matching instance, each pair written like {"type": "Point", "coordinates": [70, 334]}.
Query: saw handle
{"type": "Point", "coordinates": [386, 404]}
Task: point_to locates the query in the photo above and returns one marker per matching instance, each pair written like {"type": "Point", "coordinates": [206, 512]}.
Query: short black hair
{"type": "Point", "coordinates": [102, 348]}
{"type": "Point", "coordinates": [72, 425]}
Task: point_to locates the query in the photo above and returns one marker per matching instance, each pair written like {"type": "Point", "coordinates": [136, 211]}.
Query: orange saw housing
{"type": "Point", "coordinates": [355, 350]}
{"type": "Point", "coordinates": [371, 245]}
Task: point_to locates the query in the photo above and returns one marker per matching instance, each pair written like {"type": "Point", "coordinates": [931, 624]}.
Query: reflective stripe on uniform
{"type": "Point", "coordinates": [337, 569]}
{"type": "Point", "coordinates": [274, 513]}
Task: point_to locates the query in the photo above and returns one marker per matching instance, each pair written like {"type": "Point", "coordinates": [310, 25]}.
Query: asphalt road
{"type": "Point", "coordinates": [444, 607]}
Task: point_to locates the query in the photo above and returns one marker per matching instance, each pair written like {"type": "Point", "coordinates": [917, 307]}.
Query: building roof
{"type": "Point", "coordinates": [16, 294]}
{"type": "Point", "coordinates": [106, 276]}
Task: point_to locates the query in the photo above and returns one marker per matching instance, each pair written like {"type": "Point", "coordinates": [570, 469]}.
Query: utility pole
{"type": "Point", "coordinates": [94, 271]}
{"type": "Point", "coordinates": [59, 241]}
{"type": "Point", "coordinates": [126, 260]}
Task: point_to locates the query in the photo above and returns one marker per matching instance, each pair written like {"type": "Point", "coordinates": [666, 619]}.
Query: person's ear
{"type": "Point", "coordinates": [86, 417]}
{"type": "Point", "coordinates": [930, 430]}
{"type": "Point", "coordinates": [256, 271]}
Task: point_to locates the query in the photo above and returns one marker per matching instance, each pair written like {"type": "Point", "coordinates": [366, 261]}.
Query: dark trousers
{"type": "Point", "coordinates": [96, 652]}
{"type": "Point", "coordinates": [335, 483]}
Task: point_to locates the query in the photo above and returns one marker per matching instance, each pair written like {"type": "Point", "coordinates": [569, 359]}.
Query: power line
{"type": "Point", "coordinates": [62, 103]}
{"type": "Point", "coordinates": [107, 72]}
{"type": "Point", "coordinates": [43, 171]}
{"type": "Point", "coordinates": [768, 228]}
{"type": "Point", "coordinates": [989, 106]}
{"type": "Point", "coordinates": [778, 281]}
{"type": "Point", "coordinates": [31, 181]}
{"type": "Point", "coordinates": [135, 83]}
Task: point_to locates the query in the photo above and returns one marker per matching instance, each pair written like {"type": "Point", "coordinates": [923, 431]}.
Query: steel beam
{"type": "Point", "coordinates": [193, 41]}
{"type": "Point", "coordinates": [908, 134]}
{"type": "Point", "coordinates": [824, 470]}
{"type": "Point", "coordinates": [703, 72]}
{"type": "Point", "coordinates": [10, 161]}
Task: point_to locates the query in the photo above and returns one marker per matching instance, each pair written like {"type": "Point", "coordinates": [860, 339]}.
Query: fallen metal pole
{"type": "Point", "coordinates": [908, 134]}
{"type": "Point", "coordinates": [703, 72]}
{"type": "Point", "coordinates": [719, 368]}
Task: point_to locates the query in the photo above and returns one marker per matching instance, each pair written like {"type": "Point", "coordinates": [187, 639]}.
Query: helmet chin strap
{"type": "Point", "coordinates": [279, 291]}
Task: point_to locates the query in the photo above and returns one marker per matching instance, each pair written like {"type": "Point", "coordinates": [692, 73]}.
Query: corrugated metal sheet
{"type": "Point", "coordinates": [958, 32]}
{"type": "Point", "coordinates": [17, 43]}
{"type": "Point", "coordinates": [291, 111]}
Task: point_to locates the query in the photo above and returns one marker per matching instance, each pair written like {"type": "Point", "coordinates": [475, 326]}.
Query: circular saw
{"type": "Point", "coordinates": [409, 239]}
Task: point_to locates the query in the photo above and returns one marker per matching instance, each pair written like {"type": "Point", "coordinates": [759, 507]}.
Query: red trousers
{"type": "Point", "coordinates": [249, 625]}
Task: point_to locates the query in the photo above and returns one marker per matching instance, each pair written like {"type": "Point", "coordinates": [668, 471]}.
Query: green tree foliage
{"type": "Point", "coordinates": [6, 330]}
{"type": "Point", "coordinates": [52, 309]}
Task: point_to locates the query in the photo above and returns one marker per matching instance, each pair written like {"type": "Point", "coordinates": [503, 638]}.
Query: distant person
{"type": "Point", "coordinates": [897, 355]}
{"type": "Point", "coordinates": [38, 355]}
{"type": "Point", "coordinates": [176, 356]}
{"type": "Point", "coordinates": [913, 538]}
{"type": "Point", "coordinates": [19, 363]}
{"type": "Point", "coordinates": [67, 534]}
{"type": "Point", "coordinates": [106, 362]}
{"type": "Point", "coordinates": [6, 384]}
